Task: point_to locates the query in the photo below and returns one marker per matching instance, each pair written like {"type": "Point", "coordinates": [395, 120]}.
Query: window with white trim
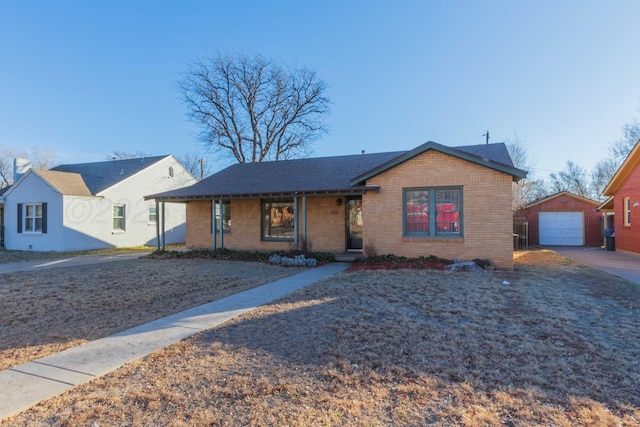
{"type": "Point", "coordinates": [153, 215]}
{"type": "Point", "coordinates": [119, 217]}
{"type": "Point", "coordinates": [33, 218]}
{"type": "Point", "coordinates": [627, 210]}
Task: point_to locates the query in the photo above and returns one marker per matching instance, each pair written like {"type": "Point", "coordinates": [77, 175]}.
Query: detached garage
{"type": "Point", "coordinates": [561, 228]}
{"type": "Point", "coordinates": [563, 219]}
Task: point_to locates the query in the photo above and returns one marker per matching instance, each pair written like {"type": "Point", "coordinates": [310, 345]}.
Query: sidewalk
{"type": "Point", "coordinates": [25, 385]}
{"type": "Point", "coordinates": [71, 261]}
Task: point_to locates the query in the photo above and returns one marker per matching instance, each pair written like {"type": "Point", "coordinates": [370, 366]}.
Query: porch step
{"type": "Point", "coordinates": [348, 257]}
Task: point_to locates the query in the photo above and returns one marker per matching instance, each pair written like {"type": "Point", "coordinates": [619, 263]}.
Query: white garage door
{"type": "Point", "coordinates": [561, 228]}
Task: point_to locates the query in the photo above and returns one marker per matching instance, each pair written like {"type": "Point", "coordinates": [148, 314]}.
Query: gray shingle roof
{"type": "Point", "coordinates": [101, 175]}
{"type": "Point", "coordinates": [317, 175]}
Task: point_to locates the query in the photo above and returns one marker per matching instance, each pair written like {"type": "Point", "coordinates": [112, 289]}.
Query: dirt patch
{"type": "Point", "coordinates": [559, 345]}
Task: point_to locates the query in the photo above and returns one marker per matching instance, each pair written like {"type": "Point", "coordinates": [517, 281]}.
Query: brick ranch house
{"type": "Point", "coordinates": [623, 191]}
{"type": "Point", "coordinates": [432, 200]}
{"type": "Point", "coordinates": [563, 219]}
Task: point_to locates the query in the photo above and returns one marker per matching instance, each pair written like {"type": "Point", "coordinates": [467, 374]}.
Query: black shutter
{"type": "Point", "coordinates": [44, 218]}
{"type": "Point", "coordinates": [19, 217]}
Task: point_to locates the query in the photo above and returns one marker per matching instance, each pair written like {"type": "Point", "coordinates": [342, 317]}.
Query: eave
{"type": "Point", "coordinates": [308, 193]}
{"type": "Point", "coordinates": [516, 173]}
{"type": "Point", "coordinates": [623, 171]}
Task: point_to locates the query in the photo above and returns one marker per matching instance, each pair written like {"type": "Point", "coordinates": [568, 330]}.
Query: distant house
{"type": "Point", "coordinates": [94, 205]}
{"type": "Point", "coordinates": [434, 199]}
{"type": "Point", "coordinates": [563, 219]}
{"type": "Point", "coordinates": [624, 201]}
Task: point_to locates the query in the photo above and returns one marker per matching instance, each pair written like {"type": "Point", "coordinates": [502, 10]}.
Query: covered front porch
{"type": "Point", "coordinates": [327, 222]}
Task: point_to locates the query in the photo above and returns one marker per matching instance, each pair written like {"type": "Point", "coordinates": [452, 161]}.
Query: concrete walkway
{"type": "Point", "coordinates": [71, 261]}
{"type": "Point", "coordinates": [25, 385]}
{"type": "Point", "coordinates": [621, 264]}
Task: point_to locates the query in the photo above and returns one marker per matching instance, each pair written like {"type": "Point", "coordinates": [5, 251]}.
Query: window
{"type": "Point", "coordinates": [118, 218]}
{"type": "Point", "coordinates": [33, 215]}
{"type": "Point", "coordinates": [627, 210]}
{"type": "Point", "coordinates": [153, 215]}
{"type": "Point", "coordinates": [277, 219]}
{"type": "Point", "coordinates": [170, 172]}
{"type": "Point", "coordinates": [430, 212]}
{"type": "Point", "coordinates": [226, 211]}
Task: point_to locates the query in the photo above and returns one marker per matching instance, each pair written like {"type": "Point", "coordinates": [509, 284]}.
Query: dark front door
{"type": "Point", "coordinates": [354, 223]}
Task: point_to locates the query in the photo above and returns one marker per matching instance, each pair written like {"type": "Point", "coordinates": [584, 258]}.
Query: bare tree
{"type": "Point", "coordinates": [573, 179]}
{"type": "Point", "coordinates": [40, 158]}
{"type": "Point", "coordinates": [195, 163]}
{"type": "Point", "coordinates": [253, 108]}
{"type": "Point", "coordinates": [525, 190]}
{"type": "Point", "coordinates": [124, 155]}
{"type": "Point", "coordinates": [601, 175]}
{"type": "Point", "coordinates": [630, 136]}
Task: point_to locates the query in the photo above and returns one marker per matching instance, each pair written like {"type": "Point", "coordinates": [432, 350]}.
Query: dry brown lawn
{"type": "Point", "coordinates": [558, 346]}
{"type": "Point", "coordinates": [47, 311]}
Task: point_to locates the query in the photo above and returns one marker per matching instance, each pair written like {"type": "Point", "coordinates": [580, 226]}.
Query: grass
{"type": "Point", "coordinates": [559, 345]}
{"type": "Point", "coordinates": [22, 256]}
{"type": "Point", "coordinates": [50, 310]}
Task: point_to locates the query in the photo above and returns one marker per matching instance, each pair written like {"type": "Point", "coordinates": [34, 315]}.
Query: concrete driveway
{"type": "Point", "coordinates": [70, 261]}
{"type": "Point", "coordinates": [621, 264]}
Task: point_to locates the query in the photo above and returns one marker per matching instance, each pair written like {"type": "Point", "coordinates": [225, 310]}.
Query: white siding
{"type": "Point", "coordinates": [78, 223]}
{"type": "Point", "coordinates": [32, 189]}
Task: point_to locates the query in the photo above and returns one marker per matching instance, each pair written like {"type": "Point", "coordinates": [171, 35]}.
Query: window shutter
{"type": "Point", "coordinates": [19, 217]}
{"type": "Point", "coordinates": [44, 218]}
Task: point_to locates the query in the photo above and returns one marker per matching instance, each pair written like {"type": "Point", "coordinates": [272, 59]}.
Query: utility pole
{"type": "Point", "coordinates": [487, 135]}
{"type": "Point", "coordinates": [201, 161]}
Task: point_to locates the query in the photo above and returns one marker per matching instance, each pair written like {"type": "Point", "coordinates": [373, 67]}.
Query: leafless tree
{"type": "Point", "coordinates": [573, 179]}
{"type": "Point", "coordinates": [602, 173]}
{"type": "Point", "coordinates": [195, 163]}
{"type": "Point", "coordinates": [527, 189]}
{"type": "Point", "coordinates": [255, 109]}
{"type": "Point", "coordinates": [124, 155]}
{"type": "Point", "coordinates": [630, 136]}
{"type": "Point", "coordinates": [40, 158]}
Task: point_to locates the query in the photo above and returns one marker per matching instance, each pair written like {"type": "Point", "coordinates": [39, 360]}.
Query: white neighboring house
{"type": "Point", "coordinates": [95, 205]}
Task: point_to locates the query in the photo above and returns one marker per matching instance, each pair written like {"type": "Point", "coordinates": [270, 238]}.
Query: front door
{"type": "Point", "coordinates": [354, 223]}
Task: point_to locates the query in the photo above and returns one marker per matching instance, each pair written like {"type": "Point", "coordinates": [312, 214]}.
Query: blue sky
{"type": "Point", "coordinates": [86, 78]}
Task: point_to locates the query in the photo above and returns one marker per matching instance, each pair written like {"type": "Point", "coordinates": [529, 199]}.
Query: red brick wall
{"type": "Point", "coordinates": [628, 237]}
{"type": "Point", "coordinates": [565, 203]}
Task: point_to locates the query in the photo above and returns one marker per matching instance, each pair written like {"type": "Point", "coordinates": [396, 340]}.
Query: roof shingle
{"type": "Point", "coordinates": [313, 175]}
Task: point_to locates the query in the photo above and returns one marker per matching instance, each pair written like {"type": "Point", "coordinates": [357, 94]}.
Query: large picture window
{"type": "Point", "coordinates": [277, 219]}
{"type": "Point", "coordinates": [433, 211]}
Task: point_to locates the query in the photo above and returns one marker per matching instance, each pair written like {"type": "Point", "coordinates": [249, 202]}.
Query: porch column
{"type": "Point", "coordinates": [213, 223]}
{"type": "Point", "coordinates": [157, 226]}
{"type": "Point", "coordinates": [295, 223]}
{"type": "Point", "coordinates": [221, 228]}
{"type": "Point", "coordinates": [304, 220]}
{"type": "Point", "coordinates": [163, 227]}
